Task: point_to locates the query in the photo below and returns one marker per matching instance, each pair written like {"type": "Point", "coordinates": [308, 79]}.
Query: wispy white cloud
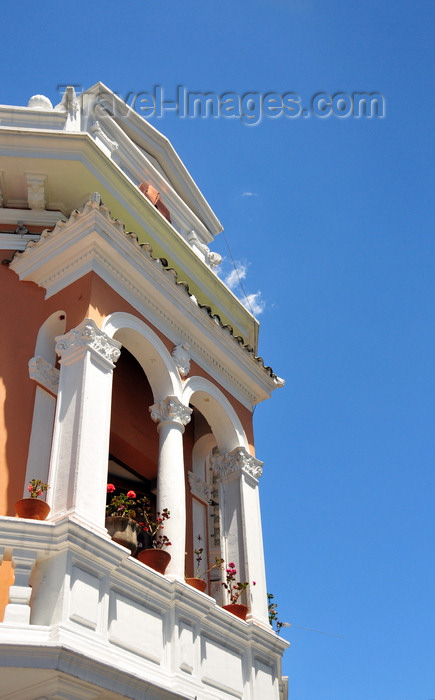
{"type": "Point", "coordinates": [254, 303]}
{"type": "Point", "coordinates": [232, 280]}
{"type": "Point", "coordinates": [250, 194]}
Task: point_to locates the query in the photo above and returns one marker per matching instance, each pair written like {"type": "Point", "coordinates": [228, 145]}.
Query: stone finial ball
{"type": "Point", "coordinates": [39, 102]}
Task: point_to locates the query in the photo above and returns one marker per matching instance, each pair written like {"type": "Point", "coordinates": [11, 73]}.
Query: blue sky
{"type": "Point", "coordinates": [337, 238]}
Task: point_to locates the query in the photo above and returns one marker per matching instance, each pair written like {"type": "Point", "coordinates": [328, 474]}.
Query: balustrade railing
{"type": "Point", "coordinates": [77, 590]}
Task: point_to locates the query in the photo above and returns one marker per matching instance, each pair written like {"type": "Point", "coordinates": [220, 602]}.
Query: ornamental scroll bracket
{"type": "Point", "coordinates": [199, 488]}
{"type": "Point", "coordinates": [44, 373]}
{"type": "Point", "coordinates": [237, 462]}
{"type": "Point", "coordinates": [36, 184]}
{"type": "Point", "coordinates": [181, 358]}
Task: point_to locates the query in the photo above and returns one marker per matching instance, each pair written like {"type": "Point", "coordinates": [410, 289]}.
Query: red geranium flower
{"type": "Point", "coordinates": [110, 488]}
{"type": "Point", "coordinates": [131, 494]}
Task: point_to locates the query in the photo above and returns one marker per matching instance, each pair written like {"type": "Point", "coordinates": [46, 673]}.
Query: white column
{"type": "Point", "coordinates": [241, 525]}
{"type": "Point", "coordinates": [78, 467]}
{"type": "Point", "coordinates": [171, 416]}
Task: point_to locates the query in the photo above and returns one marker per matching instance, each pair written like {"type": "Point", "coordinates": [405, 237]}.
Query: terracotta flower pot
{"type": "Point", "coordinates": [124, 531]}
{"type": "Point", "coordinates": [32, 508]}
{"type": "Point", "coordinates": [157, 559]}
{"type": "Point", "coordinates": [237, 609]}
{"type": "Point", "coordinates": [197, 583]}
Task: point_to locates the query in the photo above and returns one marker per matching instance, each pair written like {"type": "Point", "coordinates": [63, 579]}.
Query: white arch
{"type": "Point", "coordinates": [219, 413]}
{"type": "Point", "coordinates": [42, 370]}
{"type": "Point", "coordinates": [53, 326]}
{"type": "Point", "coordinates": [201, 449]}
{"type": "Point", "coordinates": [149, 350]}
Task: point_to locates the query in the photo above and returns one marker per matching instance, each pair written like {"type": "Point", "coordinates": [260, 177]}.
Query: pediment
{"type": "Point", "coordinates": [103, 105]}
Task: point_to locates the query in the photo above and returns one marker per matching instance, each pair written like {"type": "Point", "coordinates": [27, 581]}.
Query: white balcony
{"type": "Point", "coordinates": [85, 620]}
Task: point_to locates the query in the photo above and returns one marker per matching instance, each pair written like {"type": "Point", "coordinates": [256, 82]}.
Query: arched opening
{"type": "Point", "coordinates": [215, 427]}
{"type": "Point", "coordinates": [144, 375]}
{"type": "Point", "coordinates": [133, 436]}
{"type": "Point", "coordinates": [133, 445]}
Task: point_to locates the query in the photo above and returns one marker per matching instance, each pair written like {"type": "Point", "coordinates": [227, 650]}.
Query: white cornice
{"type": "Point", "coordinates": [128, 203]}
{"type": "Point", "coordinates": [16, 241]}
{"type": "Point", "coordinates": [28, 118]}
{"type": "Point", "coordinates": [29, 217]}
{"type": "Point", "coordinates": [135, 130]}
{"type": "Point", "coordinates": [92, 241]}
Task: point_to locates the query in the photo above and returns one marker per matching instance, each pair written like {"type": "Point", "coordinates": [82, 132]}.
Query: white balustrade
{"type": "Point", "coordinates": [121, 626]}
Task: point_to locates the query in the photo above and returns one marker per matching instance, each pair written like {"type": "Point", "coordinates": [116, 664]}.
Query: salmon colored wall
{"type": "Point", "coordinates": [6, 580]}
{"type": "Point", "coordinates": [23, 311]}
{"type": "Point", "coordinates": [105, 301]}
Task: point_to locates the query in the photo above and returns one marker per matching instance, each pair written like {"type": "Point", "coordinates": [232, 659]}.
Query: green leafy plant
{"type": "Point", "coordinates": [129, 505]}
{"type": "Point", "coordinates": [273, 614]}
{"type": "Point", "coordinates": [234, 588]}
{"type": "Point", "coordinates": [218, 564]}
{"type": "Point", "coordinates": [154, 526]}
{"type": "Point", "coordinates": [36, 488]}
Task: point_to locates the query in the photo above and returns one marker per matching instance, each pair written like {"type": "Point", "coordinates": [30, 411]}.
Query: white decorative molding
{"type": "Point", "coordinates": [199, 488]}
{"type": "Point", "coordinates": [97, 131]}
{"type": "Point", "coordinates": [182, 359]}
{"type": "Point", "coordinates": [210, 258]}
{"type": "Point", "coordinates": [85, 336]}
{"type": "Point", "coordinates": [170, 410]}
{"type": "Point", "coordinates": [69, 101]}
{"type": "Point", "coordinates": [44, 373]}
{"type": "Point", "coordinates": [70, 107]}
{"type": "Point", "coordinates": [237, 461]}
{"type": "Point", "coordinates": [61, 687]}
{"type": "Point", "coordinates": [96, 242]}
{"type": "Point", "coordinates": [30, 217]}
{"type": "Point", "coordinates": [36, 191]}
{"type": "Point", "coordinates": [13, 241]}
{"type": "Point", "coordinates": [213, 259]}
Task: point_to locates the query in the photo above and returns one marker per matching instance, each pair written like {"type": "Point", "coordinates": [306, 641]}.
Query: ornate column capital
{"type": "Point", "coordinates": [235, 463]}
{"type": "Point", "coordinates": [171, 410]}
{"type": "Point", "coordinates": [44, 373]}
{"type": "Point", "coordinates": [87, 336]}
